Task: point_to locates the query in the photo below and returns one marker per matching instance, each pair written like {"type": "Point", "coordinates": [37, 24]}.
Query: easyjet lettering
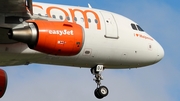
{"type": "Point", "coordinates": [72, 14]}
{"type": "Point", "coordinates": [61, 32]}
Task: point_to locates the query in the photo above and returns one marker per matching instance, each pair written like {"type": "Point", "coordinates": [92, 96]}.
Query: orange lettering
{"type": "Point", "coordinates": [34, 5]}
{"type": "Point", "coordinates": [84, 13]}
{"type": "Point", "coordinates": [48, 10]}
{"type": "Point", "coordinates": [72, 12]}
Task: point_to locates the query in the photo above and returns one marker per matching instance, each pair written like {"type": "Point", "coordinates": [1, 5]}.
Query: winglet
{"type": "Point", "coordinates": [89, 5]}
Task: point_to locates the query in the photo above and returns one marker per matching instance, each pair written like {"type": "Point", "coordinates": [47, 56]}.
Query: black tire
{"type": "Point", "coordinates": [92, 71]}
{"type": "Point", "coordinates": [96, 93]}
{"type": "Point", "coordinates": [103, 91]}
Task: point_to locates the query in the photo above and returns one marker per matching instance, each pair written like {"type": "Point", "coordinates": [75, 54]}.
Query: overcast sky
{"type": "Point", "coordinates": [159, 82]}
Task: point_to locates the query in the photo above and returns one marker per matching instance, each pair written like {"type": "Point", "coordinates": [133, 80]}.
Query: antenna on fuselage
{"type": "Point", "coordinates": [89, 5]}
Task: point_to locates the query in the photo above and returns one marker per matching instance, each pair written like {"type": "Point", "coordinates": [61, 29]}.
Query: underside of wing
{"type": "Point", "coordinates": [12, 13]}
{"type": "Point", "coordinates": [13, 7]}
{"type": "Point", "coordinates": [4, 37]}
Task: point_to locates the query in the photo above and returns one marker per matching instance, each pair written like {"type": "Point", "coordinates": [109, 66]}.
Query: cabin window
{"type": "Point", "coordinates": [89, 20]}
{"type": "Point", "coordinates": [96, 21]}
{"type": "Point", "coordinates": [53, 16]}
{"type": "Point", "coordinates": [39, 14]}
{"type": "Point", "coordinates": [68, 18]}
{"type": "Point", "coordinates": [133, 26]}
{"type": "Point", "coordinates": [61, 17]}
{"type": "Point", "coordinates": [82, 19]}
{"type": "Point", "coordinates": [75, 19]}
{"type": "Point", "coordinates": [139, 28]}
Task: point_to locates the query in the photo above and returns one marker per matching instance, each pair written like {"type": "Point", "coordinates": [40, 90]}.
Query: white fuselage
{"type": "Point", "coordinates": [110, 40]}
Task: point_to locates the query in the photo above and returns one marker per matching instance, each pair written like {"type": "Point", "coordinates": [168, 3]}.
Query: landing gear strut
{"type": "Point", "coordinates": [101, 91]}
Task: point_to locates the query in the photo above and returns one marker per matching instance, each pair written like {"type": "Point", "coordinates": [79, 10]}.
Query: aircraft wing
{"type": "Point", "coordinates": [11, 11]}
{"type": "Point", "coordinates": [11, 7]}
{"type": "Point", "coordinates": [14, 12]}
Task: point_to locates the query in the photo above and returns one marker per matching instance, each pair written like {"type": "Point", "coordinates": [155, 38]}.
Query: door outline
{"type": "Point", "coordinates": [110, 25]}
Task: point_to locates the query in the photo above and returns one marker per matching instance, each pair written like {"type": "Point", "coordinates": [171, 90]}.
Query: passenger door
{"type": "Point", "coordinates": [110, 25]}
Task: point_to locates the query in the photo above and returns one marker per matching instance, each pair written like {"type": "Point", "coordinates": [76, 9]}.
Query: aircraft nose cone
{"type": "Point", "coordinates": [160, 53]}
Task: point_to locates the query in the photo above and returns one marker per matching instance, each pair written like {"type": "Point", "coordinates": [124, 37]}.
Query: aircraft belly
{"type": "Point", "coordinates": [103, 52]}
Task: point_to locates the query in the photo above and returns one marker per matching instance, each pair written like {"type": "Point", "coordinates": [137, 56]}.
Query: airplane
{"type": "Point", "coordinates": [44, 33]}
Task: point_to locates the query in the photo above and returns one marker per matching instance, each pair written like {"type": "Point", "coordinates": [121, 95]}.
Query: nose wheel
{"type": "Point", "coordinates": [101, 91]}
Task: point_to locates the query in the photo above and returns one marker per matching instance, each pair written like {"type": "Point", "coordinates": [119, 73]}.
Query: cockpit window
{"type": "Point", "coordinates": [136, 27]}
{"type": "Point", "coordinates": [139, 28]}
{"type": "Point", "coordinates": [133, 26]}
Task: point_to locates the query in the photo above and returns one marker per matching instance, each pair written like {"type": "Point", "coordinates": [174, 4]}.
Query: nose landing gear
{"type": "Point", "coordinates": [101, 91]}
